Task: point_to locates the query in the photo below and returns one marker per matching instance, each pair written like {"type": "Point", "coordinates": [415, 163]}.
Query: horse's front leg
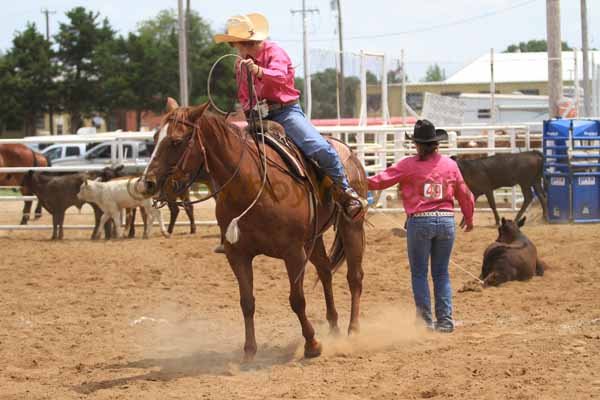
{"type": "Point", "coordinates": [242, 268]}
{"type": "Point", "coordinates": [295, 268]}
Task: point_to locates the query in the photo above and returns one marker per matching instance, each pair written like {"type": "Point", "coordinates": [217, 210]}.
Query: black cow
{"type": "Point", "coordinates": [525, 169]}
{"type": "Point", "coordinates": [511, 257]}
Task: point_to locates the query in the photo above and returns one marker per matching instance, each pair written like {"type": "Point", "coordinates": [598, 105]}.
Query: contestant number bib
{"type": "Point", "coordinates": [432, 191]}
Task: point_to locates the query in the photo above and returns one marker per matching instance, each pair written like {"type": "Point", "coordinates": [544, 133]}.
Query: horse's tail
{"type": "Point", "coordinates": [337, 255]}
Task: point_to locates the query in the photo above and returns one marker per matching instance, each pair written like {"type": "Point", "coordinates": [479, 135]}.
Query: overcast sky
{"type": "Point", "coordinates": [449, 32]}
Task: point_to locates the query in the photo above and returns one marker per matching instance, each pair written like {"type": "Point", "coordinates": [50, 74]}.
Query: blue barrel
{"type": "Point", "coordinates": [586, 197]}
{"type": "Point", "coordinates": [559, 197]}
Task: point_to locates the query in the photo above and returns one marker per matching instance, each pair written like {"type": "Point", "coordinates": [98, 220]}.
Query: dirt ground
{"type": "Point", "coordinates": [160, 318]}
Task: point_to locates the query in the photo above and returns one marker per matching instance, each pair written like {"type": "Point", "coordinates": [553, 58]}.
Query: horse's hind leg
{"type": "Point", "coordinates": [174, 210]}
{"type": "Point", "coordinates": [354, 244]}
{"type": "Point", "coordinates": [38, 210]}
{"type": "Point", "coordinates": [189, 210]}
{"type": "Point", "coordinates": [26, 211]}
{"type": "Point", "coordinates": [324, 269]}
{"type": "Point", "coordinates": [295, 268]}
{"type": "Point", "coordinates": [242, 269]}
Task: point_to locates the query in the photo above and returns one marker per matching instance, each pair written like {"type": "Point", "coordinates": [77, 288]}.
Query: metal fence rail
{"type": "Point", "coordinates": [375, 146]}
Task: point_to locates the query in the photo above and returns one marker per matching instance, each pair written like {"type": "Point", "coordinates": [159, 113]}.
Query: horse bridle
{"type": "Point", "coordinates": [182, 162]}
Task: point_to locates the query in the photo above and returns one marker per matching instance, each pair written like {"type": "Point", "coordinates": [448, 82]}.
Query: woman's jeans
{"type": "Point", "coordinates": [431, 237]}
{"type": "Point", "coordinates": [310, 142]}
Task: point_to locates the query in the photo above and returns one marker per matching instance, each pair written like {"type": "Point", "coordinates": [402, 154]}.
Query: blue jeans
{"type": "Point", "coordinates": [310, 142]}
{"type": "Point", "coordinates": [431, 237]}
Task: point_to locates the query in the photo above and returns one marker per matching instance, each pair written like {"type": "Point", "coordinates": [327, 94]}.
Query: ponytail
{"type": "Point", "coordinates": [424, 150]}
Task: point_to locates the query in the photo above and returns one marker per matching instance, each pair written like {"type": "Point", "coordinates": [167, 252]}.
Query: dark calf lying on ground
{"type": "Point", "coordinates": [511, 257]}
{"type": "Point", "coordinates": [56, 194]}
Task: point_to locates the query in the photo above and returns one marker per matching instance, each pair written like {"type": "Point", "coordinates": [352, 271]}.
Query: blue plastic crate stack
{"type": "Point", "coordinates": [572, 170]}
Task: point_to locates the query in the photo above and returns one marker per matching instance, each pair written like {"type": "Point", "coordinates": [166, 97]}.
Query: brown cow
{"type": "Point", "coordinates": [511, 257]}
{"type": "Point", "coordinates": [57, 194]}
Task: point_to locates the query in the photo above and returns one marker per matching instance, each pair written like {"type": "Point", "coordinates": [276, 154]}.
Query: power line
{"type": "Point", "coordinates": [429, 28]}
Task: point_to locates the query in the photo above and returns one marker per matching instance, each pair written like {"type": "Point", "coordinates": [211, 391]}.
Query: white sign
{"type": "Point", "coordinates": [443, 110]}
{"type": "Point", "coordinates": [586, 181]}
{"type": "Point", "coordinates": [558, 181]}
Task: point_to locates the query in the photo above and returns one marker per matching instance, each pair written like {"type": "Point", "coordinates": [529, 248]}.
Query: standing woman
{"type": "Point", "coordinates": [429, 183]}
{"type": "Point", "coordinates": [273, 78]}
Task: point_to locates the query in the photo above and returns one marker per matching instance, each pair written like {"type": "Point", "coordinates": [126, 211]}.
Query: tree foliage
{"type": "Point", "coordinates": [533, 46]}
{"type": "Point", "coordinates": [27, 76]}
{"type": "Point", "coordinates": [79, 41]}
{"type": "Point", "coordinates": [435, 74]}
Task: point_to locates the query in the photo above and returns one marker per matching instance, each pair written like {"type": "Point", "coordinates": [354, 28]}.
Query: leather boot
{"type": "Point", "coordinates": [354, 206]}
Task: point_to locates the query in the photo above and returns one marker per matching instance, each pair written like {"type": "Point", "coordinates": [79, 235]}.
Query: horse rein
{"type": "Point", "coordinates": [182, 161]}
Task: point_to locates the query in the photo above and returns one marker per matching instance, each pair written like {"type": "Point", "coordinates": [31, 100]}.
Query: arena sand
{"type": "Point", "coordinates": [160, 318]}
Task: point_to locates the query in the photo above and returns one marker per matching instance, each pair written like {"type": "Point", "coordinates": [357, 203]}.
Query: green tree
{"type": "Point", "coordinates": [435, 73]}
{"type": "Point", "coordinates": [533, 46]}
{"type": "Point", "coordinates": [160, 36]}
{"type": "Point", "coordinates": [79, 40]}
{"type": "Point", "coordinates": [10, 108]}
{"type": "Point", "coordinates": [27, 78]}
{"type": "Point", "coordinates": [324, 92]}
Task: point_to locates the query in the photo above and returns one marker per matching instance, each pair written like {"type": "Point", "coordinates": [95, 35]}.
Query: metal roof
{"type": "Point", "coordinates": [518, 67]}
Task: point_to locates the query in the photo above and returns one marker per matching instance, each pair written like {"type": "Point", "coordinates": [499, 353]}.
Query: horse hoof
{"type": "Point", "coordinates": [334, 331]}
{"type": "Point", "coordinates": [353, 329]}
{"type": "Point", "coordinates": [312, 350]}
{"type": "Point", "coordinates": [220, 249]}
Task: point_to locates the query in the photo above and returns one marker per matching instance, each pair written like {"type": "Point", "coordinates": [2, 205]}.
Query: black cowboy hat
{"type": "Point", "coordinates": [425, 132]}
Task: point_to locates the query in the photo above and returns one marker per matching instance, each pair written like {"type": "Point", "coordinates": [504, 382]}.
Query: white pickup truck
{"type": "Point", "coordinates": [133, 152]}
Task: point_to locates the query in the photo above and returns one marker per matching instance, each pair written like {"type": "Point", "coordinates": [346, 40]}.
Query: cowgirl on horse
{"type": "Point", "coordinates": [273, 77]}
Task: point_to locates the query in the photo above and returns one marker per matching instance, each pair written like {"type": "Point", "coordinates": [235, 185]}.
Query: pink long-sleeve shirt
{"type": "Point", "coordinates": [277, 82]}
{"type": "Point", "coordinates": [429, 185]}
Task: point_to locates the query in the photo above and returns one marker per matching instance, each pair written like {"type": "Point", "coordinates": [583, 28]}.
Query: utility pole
{"type": "Point", "coordinates": [576, 82]}
{"type": "Point", "coordinates": [307, 94]}
{"type": "Point", "coordinates": [183, 75]}
{"type": "Point", "coordinates": [341, 50]}
{"type": "Point", "coordinates": [587, 84]}
{"type": "Point", "coordinates": [50, 106]}
{"type": "Point", "coordinates": [555, 85]}
{"type": "Point", "coordinates": [188, 29]}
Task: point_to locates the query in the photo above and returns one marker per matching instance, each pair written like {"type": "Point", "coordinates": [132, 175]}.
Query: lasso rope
{"type": "Point", "coordinates": [232, 234]}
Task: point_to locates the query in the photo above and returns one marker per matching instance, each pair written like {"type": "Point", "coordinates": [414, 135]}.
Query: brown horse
{"type": "Point", "coordinates": [279, 225]}
{"type": "Point", "coordinates": [18, 155]}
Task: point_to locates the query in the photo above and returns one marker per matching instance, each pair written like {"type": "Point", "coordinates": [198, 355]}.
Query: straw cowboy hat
{"type": "Point", "coordinates": [241, 28]}
{"type": "Point", "coordinates": [425, 132]}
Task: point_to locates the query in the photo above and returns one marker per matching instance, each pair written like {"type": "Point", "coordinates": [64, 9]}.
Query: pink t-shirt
{"type": "Point", "coordinates": [277, 82]}
{"type": "Point", "coordinates": [429, 185]}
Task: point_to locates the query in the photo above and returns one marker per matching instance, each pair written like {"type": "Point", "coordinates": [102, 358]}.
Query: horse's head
{"type": "Point", "coordinates": [175, 158]}
{"type": "Point", "coordinates": [509, 230]}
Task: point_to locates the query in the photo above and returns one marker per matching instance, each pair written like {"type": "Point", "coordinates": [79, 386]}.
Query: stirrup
{"type": "Point", "coordinates": [354, 206]}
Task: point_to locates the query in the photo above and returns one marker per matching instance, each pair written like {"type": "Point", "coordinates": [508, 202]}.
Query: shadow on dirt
{"type": "Point", "coordinates": [197, 364]}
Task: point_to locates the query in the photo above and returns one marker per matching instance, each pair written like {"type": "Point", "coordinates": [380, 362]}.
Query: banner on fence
{"type": "Point", "coordinates": [443, 110]}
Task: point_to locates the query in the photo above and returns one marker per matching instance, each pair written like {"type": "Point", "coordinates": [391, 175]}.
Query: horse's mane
{"type": "Point", "coordinates": [208, 119]}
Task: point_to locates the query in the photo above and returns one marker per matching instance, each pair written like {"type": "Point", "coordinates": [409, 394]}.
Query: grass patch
{"type": "Point", "coordinates": [9, 192]}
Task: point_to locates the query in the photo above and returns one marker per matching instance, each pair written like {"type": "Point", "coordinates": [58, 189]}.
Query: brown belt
{"type": "Point", "coordinates": [279, 106]}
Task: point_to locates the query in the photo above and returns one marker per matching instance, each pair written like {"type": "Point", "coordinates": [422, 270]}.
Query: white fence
{"type": "Point", "coordinates": [379, 146]}
{"type": "Point", "coordinates": [376, 147]}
